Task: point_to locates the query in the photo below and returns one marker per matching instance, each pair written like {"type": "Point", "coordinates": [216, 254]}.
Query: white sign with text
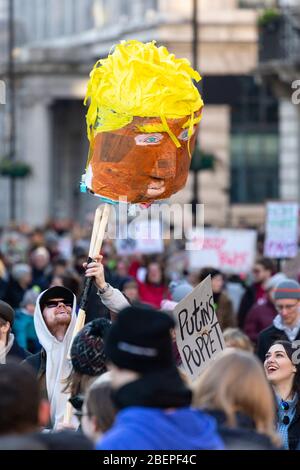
{"type": "Point", "coordinates": [198, 334]}
{"type": "Point", "coordinates": [144, 237]}
{"type": "Point", "coordinates": [281, 230]}
{"type": "Point", "coordinates": [230, 250]}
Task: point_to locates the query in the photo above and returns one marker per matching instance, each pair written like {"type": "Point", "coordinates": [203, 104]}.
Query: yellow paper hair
{"type": "Point", "coordinates": [142, 80]}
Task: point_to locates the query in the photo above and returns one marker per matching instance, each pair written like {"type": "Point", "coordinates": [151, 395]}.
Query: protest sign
{"type": "Point", "coordinates": [231, 251]}
{"type": "Point", "coordinates": [281, 230]}
{"type": "Point", "coordinates": [144, 237]}
{"type": "Point", "coordinates": [198, 334]}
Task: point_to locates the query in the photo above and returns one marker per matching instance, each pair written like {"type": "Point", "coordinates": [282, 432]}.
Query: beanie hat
{"type": "Point", "coordinates": [179, 290]}
{"type": "Point", "coordinates": [140, 340]}
{"type": "Point", "coordinates": [275, 280]}
{"type": "Point", "coordinates": [289, 289]}
{"type": "Point", "coordinates": [87, 351]}
{"type": "Point", "coordinates": [56, 292]}
{"type": "Point", "coordinates": [7, 312]}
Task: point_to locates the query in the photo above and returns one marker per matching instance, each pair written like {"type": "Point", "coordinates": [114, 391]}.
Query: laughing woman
{"type": "Point", "coordinates": [284, 375]}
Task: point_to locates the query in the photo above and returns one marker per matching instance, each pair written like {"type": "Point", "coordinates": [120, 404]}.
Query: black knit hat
{"type": "Point", "coordinates": [140, 340]}
{"type": "Point", "coordinates": [87, 352]}
{"type": "Point", "coordinates": [7, 312]}
{"type": "Point", "coordinates": [56, 292]}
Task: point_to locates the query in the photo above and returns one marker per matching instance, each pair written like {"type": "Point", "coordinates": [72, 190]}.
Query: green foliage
{"type": "Point", "coordinates": [14, 169]}
{"type": "Point", "coordinates": [269, 16]}
{"type": "Point", "coordinates": [202, 161]}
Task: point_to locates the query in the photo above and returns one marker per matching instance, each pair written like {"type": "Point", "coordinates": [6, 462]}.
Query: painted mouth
{"type": "Point", "coordinates": [155, 188]}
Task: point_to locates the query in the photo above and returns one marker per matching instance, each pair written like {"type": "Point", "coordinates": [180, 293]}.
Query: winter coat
{"type": "Point", "coordinates": [243, 436]}
{"type": "Point", "coordinates": [145, 428]}
{"type": "Point", "coordinates": [259, 317]}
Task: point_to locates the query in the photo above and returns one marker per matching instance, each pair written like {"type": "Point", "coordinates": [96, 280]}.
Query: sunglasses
{"type": "Point", "coordinates": [55, 303]}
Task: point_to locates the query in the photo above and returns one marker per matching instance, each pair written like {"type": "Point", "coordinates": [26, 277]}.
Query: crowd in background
{"type": "Point", "coordinates": [251, 312]}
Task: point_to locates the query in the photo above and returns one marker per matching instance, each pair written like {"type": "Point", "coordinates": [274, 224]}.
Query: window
{"type": "Point", "coordinates": [254, 169]}
{"type": "Point", "coordinates": [254, 144]}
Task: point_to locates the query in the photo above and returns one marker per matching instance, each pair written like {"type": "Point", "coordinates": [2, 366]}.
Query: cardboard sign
{"type": "Point", "coordinates": [231, 251]}
{"type": "Point", "coordinates": [281, 230]}
{"type": "Point", "coordinates": [144, 237]}
{"type": "Point", "coordinates": [198, 334]}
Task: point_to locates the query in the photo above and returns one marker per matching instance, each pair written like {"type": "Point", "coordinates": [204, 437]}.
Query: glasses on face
{"type": "Point", "coordinates": [55, 303]}
{"type": "Point", "coordinates": [288, 307]}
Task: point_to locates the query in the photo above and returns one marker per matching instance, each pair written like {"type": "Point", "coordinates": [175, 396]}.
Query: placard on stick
{"type": "Point", "coordinates": [198, 334]}
{"type": "Point", "coordinates": [281, 229]}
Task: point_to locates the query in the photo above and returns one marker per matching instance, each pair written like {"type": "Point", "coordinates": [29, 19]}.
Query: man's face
{"type": "Point", "coordinates": [261, 274]}
{"type": "Point", "coordinates": [143, 166]}
{"type": "Point", "coordinates": [288, 309]}
{"type": "Point", "coordinates": [57, 312]}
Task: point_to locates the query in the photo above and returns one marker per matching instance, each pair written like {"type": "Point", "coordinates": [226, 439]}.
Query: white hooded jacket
{"type": "Point", "coordinates": [58, 367]}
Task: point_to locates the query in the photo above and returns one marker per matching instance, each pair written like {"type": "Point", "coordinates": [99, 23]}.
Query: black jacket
{"type": "Point", "coordinates": [267, 337]}
{"type": "Point", "coordinates": [243, 436]}
{"type": "Point", "coordinates": [38, 363]}
{"type": "Point", "coordinates": [18, 353]}
{"type": "Point", "coordinates": [294, 432]}
{"type": "Point", "coordinates": [14, 293]}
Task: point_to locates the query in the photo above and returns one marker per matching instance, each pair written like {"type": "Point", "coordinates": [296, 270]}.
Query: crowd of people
{"type": "Point", "coordinates": [120, 383]}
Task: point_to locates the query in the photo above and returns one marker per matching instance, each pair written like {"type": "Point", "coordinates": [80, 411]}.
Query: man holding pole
{"type": "Point", "coordinates": [54, 321]}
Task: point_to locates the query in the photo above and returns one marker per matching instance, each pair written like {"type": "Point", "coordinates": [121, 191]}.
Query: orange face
{"type": "Point", "coordinates": [140, 166]}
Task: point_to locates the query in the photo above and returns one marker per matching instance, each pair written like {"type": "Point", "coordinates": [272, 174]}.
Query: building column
{"type": "Point", "coordinates": [34, 147]}
{"type": "Point", "coordinates": [289, 150]}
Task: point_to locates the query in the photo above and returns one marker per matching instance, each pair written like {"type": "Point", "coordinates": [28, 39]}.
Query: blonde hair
{"type": "Point", "coordinates": [235, 382]}
{"type": "Point", "coordinates": [143, 80]}
{"type": "Point", "coordinates": [235, 338]}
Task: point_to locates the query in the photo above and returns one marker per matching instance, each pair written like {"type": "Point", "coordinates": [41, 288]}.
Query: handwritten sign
{"type": "Point", "coordinates": [231, 251]}
{"type": "Point", "coordinates": [281, 230]}
{"type": "Point", "coordinates": [144, 237]}
{"type": "Point", "coordinates": [198, 334]}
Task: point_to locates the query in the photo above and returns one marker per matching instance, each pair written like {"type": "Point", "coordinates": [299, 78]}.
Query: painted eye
{"type": "Point", "coordinates": [148, 139]}
{"type": "Point", "coordinates": [184, 135]}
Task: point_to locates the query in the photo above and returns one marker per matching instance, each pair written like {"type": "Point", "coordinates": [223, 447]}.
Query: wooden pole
{"type": "Point", "coordinates": [99, 227]}
{"type": "Point", "coordinates": [100, 223]}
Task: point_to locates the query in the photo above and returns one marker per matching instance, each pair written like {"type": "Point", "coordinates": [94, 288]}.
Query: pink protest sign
{"type": "Point", "coordinates": [231, 251]}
